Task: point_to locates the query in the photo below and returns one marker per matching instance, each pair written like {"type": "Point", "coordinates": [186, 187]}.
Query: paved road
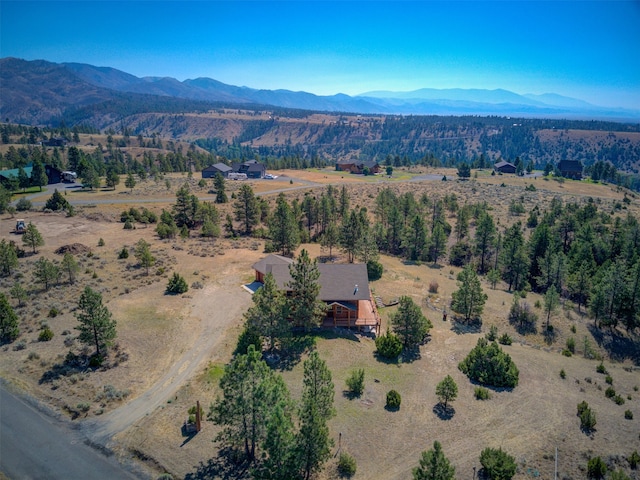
{"type": "Point", "coordinates": [36, 446]}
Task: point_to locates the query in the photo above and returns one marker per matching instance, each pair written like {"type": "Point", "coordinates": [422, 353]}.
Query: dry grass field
{"type": "Point", "coordinates": [176, 346]}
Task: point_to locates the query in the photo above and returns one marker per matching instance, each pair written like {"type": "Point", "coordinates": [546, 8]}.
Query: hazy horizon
{"type": "Point", "coordinates": [584, 50]}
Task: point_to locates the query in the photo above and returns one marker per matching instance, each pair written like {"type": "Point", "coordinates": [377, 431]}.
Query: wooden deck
{"type": "Point", "coordinates": [368, 317]}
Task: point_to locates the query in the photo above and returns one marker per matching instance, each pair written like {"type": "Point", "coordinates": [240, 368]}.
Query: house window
{"type": "Point", "coordinates": [338, 310]}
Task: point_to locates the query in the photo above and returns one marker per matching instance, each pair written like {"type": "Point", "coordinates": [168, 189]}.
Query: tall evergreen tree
{"type": "Point", "coordinates": [313, 441]}
{"type": "Point", "coordinates": [269, 314]}
{"type": "Point", "coordinates": [250, 390]}
{"type": "Point", "coordinates": [9, 330]}
{"type": "Point", "coordinates": [484, 238]}
{"type": "Point", "coordinates": [283, 229]}
{"type": "Point", "coordinates": [8, 258]}
{"type": "Point", "coordinates": [306, 309]}
{"type": "Point", "coordinates": [186, 207]}
{"type": "Point", "coordinates": [415, 239]}
{"type": "Point", "coordinates": [438, 243]}
{"type": "Point", "coordinates": [515, 261]}
{"type": "Point", "coordinates": [469, 299]}
{"type": "Point", "coordinates": [219, 184]}
{"type": "Point", "coordinates": [96, 325]}
{"type": "Point", "coordinates": [246, 208]}
{"type": "Point", "coordinates": [38, 175]}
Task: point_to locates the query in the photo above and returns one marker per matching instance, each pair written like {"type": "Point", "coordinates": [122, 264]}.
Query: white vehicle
{"type": "Point", "coordinates": [237, 176]}
{"type": "Point", "coordinates": [269, 176]}
{"type": "Point", "coordinates": [69, 177]}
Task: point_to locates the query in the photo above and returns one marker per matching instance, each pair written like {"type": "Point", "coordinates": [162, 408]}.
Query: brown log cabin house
{"type": "Point", "coordinates": [343, 287]}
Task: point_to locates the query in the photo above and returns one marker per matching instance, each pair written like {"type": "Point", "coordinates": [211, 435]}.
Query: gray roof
{"type": "Point", "coordinates": [504, 164]}
{"type": "Point", "coordinates": [221, 167]}
{"type": "Point", "coordinates": [341, 282]}
{"type": "Point", "coordinates": [265, 265]}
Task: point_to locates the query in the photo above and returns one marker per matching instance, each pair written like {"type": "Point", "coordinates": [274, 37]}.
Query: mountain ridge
{"type": "Point", "coordinates": [43, 80]}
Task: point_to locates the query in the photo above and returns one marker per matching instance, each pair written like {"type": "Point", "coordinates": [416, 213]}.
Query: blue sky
{"type": "Point", "coordinates": [583, 49]}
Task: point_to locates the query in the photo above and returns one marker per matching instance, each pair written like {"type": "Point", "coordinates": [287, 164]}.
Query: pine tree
{"type": "Point", "coordinates": [283, 229]}
{"type": "Point", "coordinates": [434, 465]}
{"type": "Point", "coordinates": [250, 389]}
{"type": "Point", "coordinates": [438, 243]}
{"type": "Point", "coordinates": [70, 265]}
{"type": "Point", "coordinates": [485, 238]}
{"type": "Point", "coordinates": [469, 299]}
{"type": "Point", "coordinates": [306, 309]}
{"type": "Point", "coordinates": [415, 242]}
{"type": "Point", "coordinates": [313, 441]}
{"type": "Point", "coordinates": [269, 313]}
{"type": "Point", "coordinates": [130, 182]}
{"type": "Point", "coordinates": [246, 208]}
{"type": "Point", "coordinates": [410, 324]}
{"type": "Point", "coordinates": [143, 255]}
{"type": "Point", "coordinates": [38, 175]}
{"type": "Point", "coordinates": [219, 185]}
{"type": "Point", "coordinates": [447, 390]}
{"type": "Point", "coordinates": [8, 258]}
{"type": "Point", "coordinates": [96, 325]}
{"type": "Point", "coordinates": [8, 321]}
{"type": "Point", "coordinates": [32, 237]}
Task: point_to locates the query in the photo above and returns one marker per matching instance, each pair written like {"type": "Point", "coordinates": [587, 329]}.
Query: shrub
{"type": "Point", "coordinates": [460, 254]}
{"type": "Point", "coordinates": [165, 476]}
{"type": "Point", "coordinates": [634, 460]}
{"type": "Point", "coordinates": [355, 382]}
{"type": "Point", "coordinates": [493, 333]}
{"type": "Point", "coordinates": [610, 392]}
{"type": "Point", "coordinates": [101, 242]}
{"type": "Point", "coordinates": [628, 414]}
{"type": "Point", "coordinates": [124, 253]}
{"type": "Point", "coordinates": [54, 312]}
{"type": "Point", "coordinates": [571, 344]}
{"type": "Point", "coordinates": [482, 393]}
{"type": "Point", "coordinates": [83, 407]}
{"type": "Point", "coordinates": [393, 400]}
{"type": "Point", "coordinates": [57, 202]}
{"type": "Point", "coordinates": [601, 369]}
{"type": "Point", "coordinates": [374, 270]}
{"type": "Point", "coordinates": [587, 417]}
{"type": "Point", "coordinates": [389, 345]}
{"type": "Point", "coordinates": [96, 361]}
{"type": "Point", "coordinates": [566, 353]}
{"type": "Point", "coordinates": [505, 339]}
{"type": "Point", "coordinates": [619, 400]}
{"type": "Point", "coordinates": [609, 379]}
{"type": "Point", "coordinates": [563, 374]}
{"type": "Point", "coordinates": [128, 225]}
{"type": "Point", "coordinates": [433, 286]}
{"type": "Point", "coordinates": [346, 465]}
{"type": "Point", "coordinates": [489, 365]}
{"type": "Point", "coordinates": [177, 285]}
{"type": "Point", "coordinates": [23, 205]}
{"type": "Point", "coordinates": [45, 335]}
{"type": "Point", "coordinates": [596, 468]}
{"type": "Point", "coordinates": [498, 464]}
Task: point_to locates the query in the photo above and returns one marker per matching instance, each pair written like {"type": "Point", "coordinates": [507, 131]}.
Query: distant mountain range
{"type": "Point", "coordinates": [38, 91]}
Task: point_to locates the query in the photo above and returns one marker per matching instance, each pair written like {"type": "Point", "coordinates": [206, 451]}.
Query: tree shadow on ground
{"type": "Point", "coordinates": [388, 361]}
{"type": "Point", "coordinates": [349, 395]}
{"type": "Point", "coordinates": [525, 328]}
{"type": "Point", "coordinates": [442, 412]}
{"type": "Point", "coordinates": [619, 347]}
{"type": "Point", "coordinates": [226, 466]}
{"type": "Point", "coordinates": [461, 326]}
{"type": "Point", "coordinates": [549, 334]}
{"type": "Point", "coordinates": [293, 349]}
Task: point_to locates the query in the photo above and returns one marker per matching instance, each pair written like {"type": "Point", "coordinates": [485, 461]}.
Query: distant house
{"type": "Point", "coordinates": [570, 169]}
{"type": "Point", "coordinates": [358, 166]}
{"type": "Point", "coordinates": [54, 175]}
{"type": "Point", "coordinates": [505, 167]}
{"type": "Point", "coordinates": [220, 168]}
{"type": "Point", "coordinates": [55, 142]}
{"type": "Point", "coordinates": [251, 168]}
{"type": "Point", "coordinates": [343, 287]}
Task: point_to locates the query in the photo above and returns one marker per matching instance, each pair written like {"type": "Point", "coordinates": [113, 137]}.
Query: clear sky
{"type": "Point", "coordinates": [583, 49]}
